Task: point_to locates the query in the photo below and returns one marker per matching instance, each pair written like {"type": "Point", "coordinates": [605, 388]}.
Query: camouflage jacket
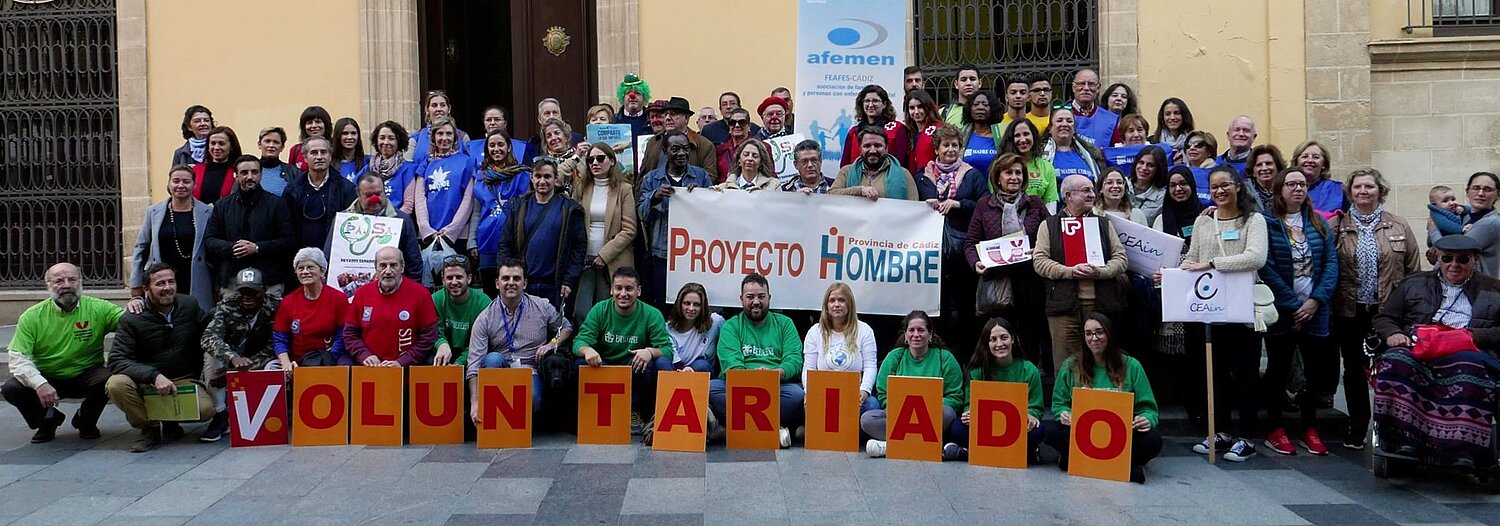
{"type": "Point", "coordinates": [235, 332]}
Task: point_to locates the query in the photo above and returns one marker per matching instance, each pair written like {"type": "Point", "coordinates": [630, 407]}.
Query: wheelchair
{"type": "Point", "coordinates": [1386, 464]}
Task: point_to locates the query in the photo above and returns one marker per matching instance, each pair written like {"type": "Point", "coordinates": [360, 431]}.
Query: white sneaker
{"type": "Point", "coordinates": [786, 438]}
{"type": "Point", "coordinates": [875, 448]}
{"type": "Point", "coordinates": [1241, 451]}
{"type": "Point", "coordinates": [1222, 441]}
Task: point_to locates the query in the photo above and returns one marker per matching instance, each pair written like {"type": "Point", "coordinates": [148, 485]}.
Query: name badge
{"type": "Point", "coordinates": [1230, 235]}
{"type": "Point", "coordinates": [1187, 231]}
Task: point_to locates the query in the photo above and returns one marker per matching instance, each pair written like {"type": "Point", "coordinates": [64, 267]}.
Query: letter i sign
{"type": "Point", "coordinates": [257, 408]}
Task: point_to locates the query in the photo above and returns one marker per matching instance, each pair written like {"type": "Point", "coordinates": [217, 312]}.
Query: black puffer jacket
{"type": "Point", "coordinates": [146, 344]}
{"type": "Point", "coordinates": [1419, 297]}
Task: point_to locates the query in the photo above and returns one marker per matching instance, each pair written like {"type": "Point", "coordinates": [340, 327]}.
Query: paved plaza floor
{"type": "Point", "coordinates": [75, 482]}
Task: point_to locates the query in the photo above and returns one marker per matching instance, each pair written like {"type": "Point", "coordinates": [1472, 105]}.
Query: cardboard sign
{"type": "Point", "coordinates": [376, 407]}
{"type": "Point", "coordinates": [436, 405]}
{"type": "Point", "coordinates": [833, 411]}
{"type": "Point", "coordinates": [681, 417]}
{"type": "Point", "coordinates": [257, 408]}
{"type": "Point", "coordinates": [505, 417]}
{"type": "Point", "coordinates": [1014, 248]}
{"type": "Point", "coordinates": [997, 424]}
{"type": "Point", "coordinates": [1080, 241]}
{"type": "Point", "coordinates": [1207, 296]}
{"type": "Point", "coordinates": [1100, 438]}
{"type": "Point", "coordinates": [1146, 250]}
{"type": "Point", "coordinates": [914, 418]}
{"type": "Point", "coordinates": [604, 405]}
{"type": "Point", "coordinates": [321, 414]}
{"type": "Point", "coordinates": [753, 409]}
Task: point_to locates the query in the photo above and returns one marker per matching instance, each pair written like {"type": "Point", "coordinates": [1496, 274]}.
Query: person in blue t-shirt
{"type": "Point", "coordinates": [982, 129]}
{"type": "Point", "coordinates": [499, 179]}
{"type": "Point", "coordinates": [1069, 153]}
{"type": "Point", "coordinates": [494, 118]}
{"type": "Point", "coordinates": [1241, 136]}
{"type": "Point", "coordinates": [348, 152]}
{"type": "Point", "coordinates": [1092, 120]}
{"type": "Point", "coordinates": [445, 174]}
{"type": "Point", "coordinates": [436, 104]}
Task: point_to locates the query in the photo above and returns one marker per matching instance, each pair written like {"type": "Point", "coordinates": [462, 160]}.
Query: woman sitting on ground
{"type": "Point", "coordinates": [919, 353]}
{"type": "Point", "coordinates": [1105, 366]}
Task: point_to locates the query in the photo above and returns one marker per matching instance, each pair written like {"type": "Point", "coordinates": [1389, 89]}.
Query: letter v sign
{"type": "Point", "coordinates": [258, 412]}
{"type": "Point", "coordinates": [251, 428]}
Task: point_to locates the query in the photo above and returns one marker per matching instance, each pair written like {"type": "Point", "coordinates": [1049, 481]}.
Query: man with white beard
{"type": "Point", "coordinates": [58, 352]}
{"type": "Point", "coordinates": [392, 321]}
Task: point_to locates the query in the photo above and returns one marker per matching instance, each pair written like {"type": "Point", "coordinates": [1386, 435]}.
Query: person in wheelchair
{"type": "Point", "coordinates": [1435, 400]}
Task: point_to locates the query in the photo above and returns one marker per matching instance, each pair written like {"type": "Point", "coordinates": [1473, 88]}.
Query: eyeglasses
{"type": "Point", "coordinates": [459, 259]}
{"type": "Point", "coordinates": [1221, 187]}
{"type": "Point", "coordinates": [1198, 144]}
{"type": "Point", "coordinates": [1041, 90]}
{"type": "Point", "coordinates": [1182, 185]}
{"type": "Point", "coordinates": [1294, 184]}
{"type": "Point", "coordinates": [1093, 334]}
{"type": "Point", "coordinates": [737, 122]}
{"type": "Point", "coordinates": [1462, 259]}
{"type": "Point", "coordinates": [810, 161]}
{"type": "Point", "coordinates": [1482, 189]}
{"type": "Point", "coordinates": [1086, 83]}
{"type": "Point", "coordinates": [598, 159]}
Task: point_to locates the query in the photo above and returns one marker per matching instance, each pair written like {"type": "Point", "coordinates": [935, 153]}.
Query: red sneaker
{"type": "Point", "coordinates": [1277, 441]}
{"type": "Point", "coordinates": [1312, 442]}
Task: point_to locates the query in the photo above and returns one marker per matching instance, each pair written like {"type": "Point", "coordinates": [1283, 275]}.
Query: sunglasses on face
{"type": "Point", "coordinates": [1041, 90]}
{"type": "Point", "coordinates": [457, 258]}
{"type": "Point", "coordinates": [1462, 259]}
{"type": "Point", "coordinates": [737, 122]}
{"type": "Point", "coordinates": [598, 159]}
{"type": "Point", "coordinates": [1197, 144]}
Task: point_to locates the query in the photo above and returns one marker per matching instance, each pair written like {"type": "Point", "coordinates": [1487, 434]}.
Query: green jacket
{"type": "Point", "coordinates": [1135, 382]}
{"type": "Point", "coordinates": [455, 320]}
{"type": "Point", "coordinates": [775, 343]}
{"type": "Point", "coordinates": [1020, 371]}
{"type": "Point", "coordinates": [613, 336]}
{"type": "Point", "coordinates": [937, 363]}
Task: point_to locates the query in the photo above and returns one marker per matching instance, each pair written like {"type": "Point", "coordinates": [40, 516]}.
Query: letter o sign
{"type": "Point", "coordinates": [1083, 427]}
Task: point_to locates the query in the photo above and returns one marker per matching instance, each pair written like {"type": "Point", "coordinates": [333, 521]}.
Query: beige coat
{"type": "Point", "coordinates": [619, 222]}
{"type": "Point", "coordinates": [1399, 257]}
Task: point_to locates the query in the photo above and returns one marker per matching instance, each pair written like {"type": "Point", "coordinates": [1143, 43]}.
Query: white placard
{"type": "Point", "coordinates": [1207, 296]}
{"type": "Point", "coordinates": [356, 239]}
{"type": "Point", "coordinates": [1001, 251]}
{"type": "Point", "coordinates": [1146, 249]}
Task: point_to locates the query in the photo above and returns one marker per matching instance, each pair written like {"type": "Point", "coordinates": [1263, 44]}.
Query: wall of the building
{"type": "Point", "coordinates": [1224, 59]}
{"type": "Point", "coordinates": [259, 66]}
{"type": "Point", "coordinates": [697, 50]}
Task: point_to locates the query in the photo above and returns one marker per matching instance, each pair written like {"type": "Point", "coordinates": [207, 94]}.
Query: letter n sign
{"type": "Point", "coordinates": [1100, 439]}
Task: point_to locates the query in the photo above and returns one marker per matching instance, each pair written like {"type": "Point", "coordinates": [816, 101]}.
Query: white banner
{"type": "Point", "coordinates": [843, 46]}
{"type": "Point", "coordinates": [1146, 248]}
{"type": "Point", "coordinates": [1207, 296]}
{"type": "Point", "coordinates": [1008, 250]}
{"type": "Point", "coordinates": [351, 252]}
{"type": "Point", "coordinates": [889, 251]}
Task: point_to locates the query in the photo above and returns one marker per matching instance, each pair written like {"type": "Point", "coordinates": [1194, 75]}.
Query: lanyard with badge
{"type": "Point", "coordinates": [509, 326]}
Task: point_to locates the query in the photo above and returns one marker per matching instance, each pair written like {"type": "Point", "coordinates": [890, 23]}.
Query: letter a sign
{"type": "Point", "coordinates": [257, 408]}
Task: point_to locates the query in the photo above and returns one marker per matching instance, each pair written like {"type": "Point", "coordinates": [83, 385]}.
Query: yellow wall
{"type": "Point", "coordinates": [1224, 59]}
{"type": "Point", "coordinates": [243, 61]}
{"type": "Point", "coordinates": [688, 51]}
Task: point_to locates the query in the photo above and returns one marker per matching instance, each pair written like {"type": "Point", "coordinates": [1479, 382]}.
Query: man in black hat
{"type": "Point", "coordinates": [238, 337]}
{"type": "Point", "coordinates": [676, 114]}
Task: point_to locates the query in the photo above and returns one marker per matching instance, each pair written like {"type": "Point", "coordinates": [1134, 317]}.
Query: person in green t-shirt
{"type": "Point", "coordinates": [1104, 366]}
{"type": "Point", "coordinates": [757, 338]}
{"type": "Point", "coordinates": [919, 353]}
{"type": "Point", "coordinates": [622, 330]}
{"type": "Point", "coordinates": [994, 360]}
{"type": "Point", "coordinates": [58, 352]}
{"type": "Point", "coordinates": [458, 306]}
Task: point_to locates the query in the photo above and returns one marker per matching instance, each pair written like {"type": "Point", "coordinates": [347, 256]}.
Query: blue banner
{"type": "Point", "coordinates": [843, 46]}
{"type": "Point", "coordinates": [1124, 156]}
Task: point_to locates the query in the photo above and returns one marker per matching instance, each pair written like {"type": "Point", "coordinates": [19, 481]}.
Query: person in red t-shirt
{"type": "Point", "coordinates": [392, 321]}
{"type": "Point", "coordinates": [309, 327]}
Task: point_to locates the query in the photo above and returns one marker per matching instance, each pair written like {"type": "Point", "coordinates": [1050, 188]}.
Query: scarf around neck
{"type": "Point", "coordinates": [1367, 252]}
{"type": "Point", "coordinates": [947, 176]}
{"type": "Point", "coordinates": [196, 148]}
{"type": "Point", "coordinates": [385, 167]}
{"type": "Point", "coordinates": [895, 176]}
{"type": "Point", "coordinates": [1010, 211]}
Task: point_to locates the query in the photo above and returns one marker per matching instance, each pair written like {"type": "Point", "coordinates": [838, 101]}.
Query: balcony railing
{"type": "Point", "coordinates": [1453, 17]}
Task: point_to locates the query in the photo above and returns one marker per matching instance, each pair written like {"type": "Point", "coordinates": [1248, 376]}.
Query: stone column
{"type": "Point", "coordinates": [1338, 81]}
{"type": "Point", "coordinates": [134, 131]}
{"type": "Point", "coordinates": [389, 71]}
{"type": "Point", "coordinates": [1118, 43]}
{"type": "Point", "coordinates": [617, 26]}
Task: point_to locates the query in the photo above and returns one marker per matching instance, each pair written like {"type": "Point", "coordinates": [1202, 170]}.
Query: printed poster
{"type": "Point", "coordinates": [351, 252]}
{"type": "Point", "coordinates": [617, 136]}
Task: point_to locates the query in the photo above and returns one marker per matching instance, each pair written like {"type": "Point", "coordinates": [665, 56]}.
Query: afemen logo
{"type": "Point", "coordinates": [1204, 287]}
{"type": "Point", "coordinates": [852, 38]}
{"type": "Point", "coordinates": [857, 34]}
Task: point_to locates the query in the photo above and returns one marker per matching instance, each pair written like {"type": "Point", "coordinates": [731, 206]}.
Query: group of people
{"type": "Point", "coordinates": [569, 254]}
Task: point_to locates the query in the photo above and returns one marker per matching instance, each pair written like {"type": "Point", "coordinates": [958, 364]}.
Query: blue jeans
{"type": "Point", "coordinates": [791, 402]}
{"type": "Point", "coordinates": [643, 384]}
{"type": "Point", "coordinates": [699, 365]}
{"type": "Point", "coordinates": [872, 422]}
{"type": "Point", "coordinates": [496, 360]}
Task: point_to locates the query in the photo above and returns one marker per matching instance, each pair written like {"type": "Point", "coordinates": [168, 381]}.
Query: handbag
{"type": "Point", "coordinates": [1439, 341]}
{"type": "Point", "coordinates": [319, 358]}
{"type": "Point", "coordinates": [994, 295]}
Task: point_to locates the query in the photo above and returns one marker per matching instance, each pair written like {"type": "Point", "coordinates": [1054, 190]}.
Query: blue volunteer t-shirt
{"type": "Point", "coordinates": [980, 152]}
{"type": "Point", "coordinates": [1070, 163]}
{"type": "Point", "coordinates": [1200, 178]}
